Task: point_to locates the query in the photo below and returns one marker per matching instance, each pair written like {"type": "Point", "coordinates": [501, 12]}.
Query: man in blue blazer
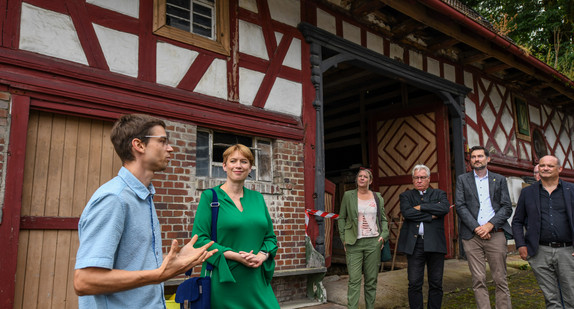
{"type": "Point", "coordinates": [422, 237]}
{"type": "Point", "coordinates": [544, 230]}
{"type": "Point", "coordinates": [483, 206]}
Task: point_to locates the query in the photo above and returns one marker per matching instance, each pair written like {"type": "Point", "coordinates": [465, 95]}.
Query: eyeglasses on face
{"type": "Point", "coordinates": [163, 139]}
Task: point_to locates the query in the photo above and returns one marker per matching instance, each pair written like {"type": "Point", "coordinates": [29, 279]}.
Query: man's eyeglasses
{"type": "Point", "coordinates": [163, 139]}
{"type": "Point", "coordinates": [420, 177]}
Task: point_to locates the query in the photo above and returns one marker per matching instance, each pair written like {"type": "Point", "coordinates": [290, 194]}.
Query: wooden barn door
{"type": "Point", "coordinates": [403, 141]}
{"type": "Point", "coordinates": [67, 159]}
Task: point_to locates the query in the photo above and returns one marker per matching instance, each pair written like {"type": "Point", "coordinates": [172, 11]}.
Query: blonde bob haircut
{"type": "Point", "coordinates": [244, 150]}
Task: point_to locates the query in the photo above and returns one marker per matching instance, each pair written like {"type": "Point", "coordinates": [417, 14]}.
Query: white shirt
{"type": "Point", "coordinates": [486, 211]}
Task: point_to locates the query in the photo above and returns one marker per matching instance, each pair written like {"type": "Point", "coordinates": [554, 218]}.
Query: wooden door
{"type": "Point", "coordinates": [404, 140]}
{"type": "Point", "coordinates": [67, 159]}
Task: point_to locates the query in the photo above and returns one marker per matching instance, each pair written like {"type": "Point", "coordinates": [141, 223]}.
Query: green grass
{"type": "Point", "coordinates": [524, 291]}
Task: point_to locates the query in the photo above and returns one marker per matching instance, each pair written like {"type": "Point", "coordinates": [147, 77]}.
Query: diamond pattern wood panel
{"type": "Point", "coordinates": [404, 142]}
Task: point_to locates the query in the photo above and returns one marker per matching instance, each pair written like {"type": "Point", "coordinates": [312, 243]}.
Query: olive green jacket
{"type": "Point", "coordinates": [348, 218]}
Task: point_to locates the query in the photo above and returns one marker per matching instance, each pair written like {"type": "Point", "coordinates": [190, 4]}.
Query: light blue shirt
{"type": "Point", "coordinates": [486, 212]}
{"type": "Point", "coordinates": [119, 229]}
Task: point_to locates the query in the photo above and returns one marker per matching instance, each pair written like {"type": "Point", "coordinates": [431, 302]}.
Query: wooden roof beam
{"type": "Point", "coordinates": [450, 28]}
{"type": "Point", "coordinates": [365, 7]}
{"type": "Point", "coordinates": [497, 68]}
{"type": "Point", "coordinates": [445, 43]}
{"type": "Point", "coordinates": [478, 57]}
{"type": "Point", "coordinates": [406, 27]}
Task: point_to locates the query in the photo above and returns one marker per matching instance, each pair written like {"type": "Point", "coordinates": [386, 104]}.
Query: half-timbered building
{"type": "Point", "coordinates": [317, 88]}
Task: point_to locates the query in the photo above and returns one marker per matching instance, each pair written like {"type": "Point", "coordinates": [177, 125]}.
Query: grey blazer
{"type": "Point", "coordinates": [468, 205]}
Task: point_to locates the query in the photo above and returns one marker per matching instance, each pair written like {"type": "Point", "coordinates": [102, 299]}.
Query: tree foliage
{"type": "Point", "coordinates": [545, 28]}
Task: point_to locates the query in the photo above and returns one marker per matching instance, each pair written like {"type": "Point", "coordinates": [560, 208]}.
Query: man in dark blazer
{"type": "Point", "coordinates": [544, 230]}
{"type": "Point", "coordinates": [422, 237]}
{"type": "Point", "coordinates": [483, 207]}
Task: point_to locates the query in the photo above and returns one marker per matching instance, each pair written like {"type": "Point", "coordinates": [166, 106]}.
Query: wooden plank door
{"type": "Point", "coordinates": [67, 159]}
{"type": "Point", "coordinates": [403, 140]}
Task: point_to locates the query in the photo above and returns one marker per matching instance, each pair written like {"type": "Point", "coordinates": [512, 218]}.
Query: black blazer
{"type": "Point", "coordinates": [526, 221]}
{"type": "Point", "coordinates": [433, 202]}
{"type": "Point", "coordinates": [468, 205]}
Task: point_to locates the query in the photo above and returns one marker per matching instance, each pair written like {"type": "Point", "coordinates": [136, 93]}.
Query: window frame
{"type": "Point", "coordinates": [221, 43]}
{"type": "Point", "coordinates": [255, 149]}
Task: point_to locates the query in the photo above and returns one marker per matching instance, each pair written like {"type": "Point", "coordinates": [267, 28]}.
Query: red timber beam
{"type": "Point", "coordinates": [10, 225]}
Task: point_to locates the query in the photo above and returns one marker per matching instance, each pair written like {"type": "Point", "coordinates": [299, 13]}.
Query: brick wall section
{"type": "Point", "coordinates": [4, 136]}
{"type": "Point", "coordinates": [289, 218]}
{"type": "Point", "coordinates": [174, 195]}
{"type": "Point", "coordinates": [178, 192]}
{"type": "Point", "coordinates": [289, 288]}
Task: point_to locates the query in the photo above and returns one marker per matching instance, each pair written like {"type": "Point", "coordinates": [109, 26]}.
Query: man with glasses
{"type": "Point", "coordinates": [119, 263]}
{"type": "Point", "coordinates": [483, 206]}
{"type": "Point", "coordinates": [422, 237]}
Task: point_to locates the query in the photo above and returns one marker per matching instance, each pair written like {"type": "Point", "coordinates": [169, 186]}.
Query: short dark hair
{"type": "Point", "coordinates": [486, 153]}
{"type": "Point", "coordinates": [129, 127]}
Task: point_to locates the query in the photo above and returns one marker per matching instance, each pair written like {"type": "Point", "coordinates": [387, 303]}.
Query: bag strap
{"type": "Point", "coordinates": [214, 213]}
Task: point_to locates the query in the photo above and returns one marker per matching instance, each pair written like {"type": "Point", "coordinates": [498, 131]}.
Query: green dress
{"type": "Point", "coordinates": [234, 285]}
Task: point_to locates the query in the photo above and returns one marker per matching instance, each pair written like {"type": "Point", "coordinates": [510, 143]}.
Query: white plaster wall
{"type": "Point", "coordinates": [326, 21]}
{"type": "Point", "coordinates": [126, 7]}
{"type": "Point", "coordinates": [534, 113]}
{"type": "Point", "coordinates": [285, 11]}
{"type": "Point", "coordinates": [481, 93]}
{"type": "Point", "coordinates": [375, 43]}
{"type": "Point", "coordinates": [120, 50]}
{"type": "Point", "coordinates": [214, 81]}
{"type": "Point", "coordinates": [50, 33]}
{"type": "Point", "coordinates": [278, 37]}
{"type": "Point", "coordinates": [249, 82]}
{"type": "Point", "coordinates": [396, 52]}
{"type": "Point", "coordinates": [495, 97]}
{"type": "Point", "coordinates": [351, 33]}
{"type": "Point", "coordinates": [514, 188]}
{"type": "Point", "coordinates": [500, 138]}
{"type": "Point", "coordinates": [293, 57]}
{"type": "Point", "coordinates": [527, 152]}
{"type": "Point", "coordinates": [251, 40]}
{"type": "Point", "coordinates": [485, 138]}
{"type": "Point", "coordinates": [507, 121]}
{"type": "Point", "coordinates": [416, 60]}
{"type": "Point", "coordinates": [285, 97]}
{"type": "Point", "coordinates": [433, 66]}
{"type": "Point", "coordinates": [172, 63]}
{"type": "Point", "coordinates": [472, 137]}
{"type": "Point", "coordinates": [449, 72]}
{"type": "Point", "coordinates": [470, 109]}
{"type": "Point", "coordinates": [250, 5]}
{"type": "Point", "coordinates": [487, 115]}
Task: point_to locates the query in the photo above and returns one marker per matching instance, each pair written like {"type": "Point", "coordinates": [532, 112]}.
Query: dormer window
{"type": "Point", "coordinates": [202, 23]}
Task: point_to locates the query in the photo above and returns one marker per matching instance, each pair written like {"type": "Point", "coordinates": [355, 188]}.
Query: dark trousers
{"type": "Point", "coordinates": [416, 267]}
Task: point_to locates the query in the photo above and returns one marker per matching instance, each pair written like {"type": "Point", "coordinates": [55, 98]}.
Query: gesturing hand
{"type": "Point", "coordinates": [179, 260]}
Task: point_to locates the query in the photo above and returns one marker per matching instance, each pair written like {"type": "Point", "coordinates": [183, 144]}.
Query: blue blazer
{"type": "Point", "coordinates": [468, 204]}
{"type": "Point", "coordinates": [526, 221]}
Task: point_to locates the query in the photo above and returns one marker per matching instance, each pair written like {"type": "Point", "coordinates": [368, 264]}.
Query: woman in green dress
{"type": "Point", "coordinates": [246, 243]}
